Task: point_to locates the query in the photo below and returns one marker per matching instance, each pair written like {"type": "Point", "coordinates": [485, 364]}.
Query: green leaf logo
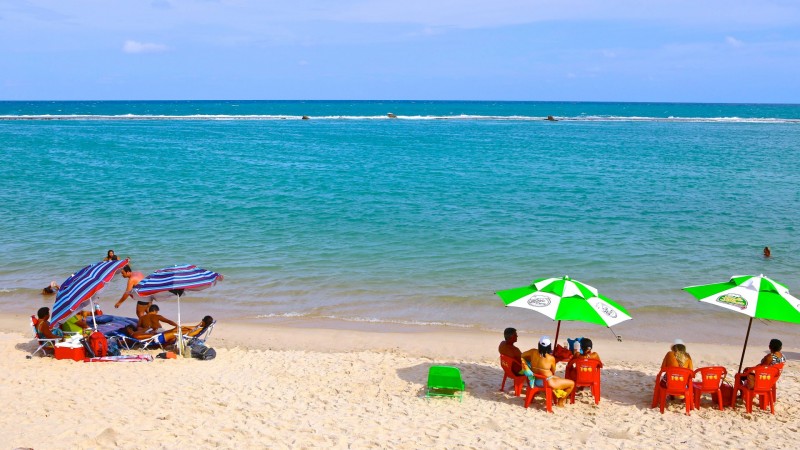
{"type": "Point", "coordinates": [733, 300]}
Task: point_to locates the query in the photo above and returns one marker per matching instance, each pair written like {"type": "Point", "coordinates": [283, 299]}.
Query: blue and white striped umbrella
{"type": "Point", "coordinates": [175, 281]}
{"type": "Point", "coordinates": [76, 292]}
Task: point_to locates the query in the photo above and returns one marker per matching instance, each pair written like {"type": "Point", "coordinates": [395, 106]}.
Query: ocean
{"type": "Point", "coordinates": [353, 218]}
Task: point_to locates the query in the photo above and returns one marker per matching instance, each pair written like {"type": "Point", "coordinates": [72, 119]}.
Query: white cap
{"type": "Point", "coordinates": [545, 341]}
{"type": "Point", "coordinates": [678, 341]}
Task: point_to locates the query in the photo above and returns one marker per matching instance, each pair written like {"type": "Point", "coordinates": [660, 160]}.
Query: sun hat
{"type": "Point", "coordinates": [544, 341]}
{"type": "Point", "coordinates": [678, 342]}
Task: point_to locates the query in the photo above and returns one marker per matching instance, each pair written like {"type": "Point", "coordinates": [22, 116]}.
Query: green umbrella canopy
{"type": "Point", "coordinates": [756, 296]}
{"type": "Point", "coordinates": [566, 299]}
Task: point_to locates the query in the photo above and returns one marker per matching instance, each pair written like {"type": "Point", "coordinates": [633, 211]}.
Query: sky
{"type": "Point", "coordinates": [728, 51]}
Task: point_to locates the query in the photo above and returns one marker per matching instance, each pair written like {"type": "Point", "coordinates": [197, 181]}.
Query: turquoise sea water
{"type": "Point", "coordinates": [360, 217]}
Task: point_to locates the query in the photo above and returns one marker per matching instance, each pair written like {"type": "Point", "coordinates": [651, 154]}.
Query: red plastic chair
{"type": "Point", "coordinates": [507, 362]}
{"type": "Point", "coordinates": [533, 390]}
{"type": "Point", "coordinates": [585, 373]}
{"type": "Point", "coordinates": [710, 383]}
{"type": "Point", "coordinates": [764, 378]}
{"type": "Point", "coordinates": [678, 382]}
{"type": "Point", "coordinates": [779, 368]}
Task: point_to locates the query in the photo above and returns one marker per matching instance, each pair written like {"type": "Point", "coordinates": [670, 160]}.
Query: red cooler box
{"type": "Point", "coordinates": [67, 351]}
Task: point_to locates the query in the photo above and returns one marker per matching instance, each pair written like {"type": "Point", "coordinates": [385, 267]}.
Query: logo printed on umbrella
{"type": "Point", "coordinates": [538, 301]}
{"type": "Point", "coordinates": [733, 300]}
{"type": "Point", "coordinates": [605, 309]}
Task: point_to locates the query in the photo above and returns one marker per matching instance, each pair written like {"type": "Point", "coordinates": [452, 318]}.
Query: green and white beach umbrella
{"type": "Point", "coordinates": [756, 296]}
{"type": "Point", "coordinates": [566, 299]}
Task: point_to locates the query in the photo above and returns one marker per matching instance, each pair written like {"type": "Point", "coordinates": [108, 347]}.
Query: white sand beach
{"type": "Point", "coordinates": [299, 387]}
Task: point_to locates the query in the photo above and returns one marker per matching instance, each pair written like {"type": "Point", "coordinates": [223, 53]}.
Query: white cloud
{"type": "Point", "coordinates": [733, 42]}
{"type": "Point", "coordinates": [142, 47]}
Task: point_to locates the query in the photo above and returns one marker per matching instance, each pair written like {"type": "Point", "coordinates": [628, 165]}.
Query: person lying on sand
{"type": "Point", "coordinates": [169, 337]}
{"type": "Point", "coordinates": [543, 362]}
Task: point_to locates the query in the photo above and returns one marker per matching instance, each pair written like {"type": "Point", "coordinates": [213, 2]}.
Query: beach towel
{"type": "Point", "coordinates": [122, 358]}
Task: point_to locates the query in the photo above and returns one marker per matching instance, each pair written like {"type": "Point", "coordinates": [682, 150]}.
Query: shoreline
{"type": "Point", "coordinates": [289, 386]}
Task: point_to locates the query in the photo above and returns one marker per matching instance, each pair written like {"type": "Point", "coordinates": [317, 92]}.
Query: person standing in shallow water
{"type": "Point", "coordinates": [111, 256]}
{"type": "Point", "coordinates": [767, 252]}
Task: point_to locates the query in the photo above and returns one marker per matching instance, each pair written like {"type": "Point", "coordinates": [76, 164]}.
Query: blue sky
{"type": "Point", "coordinates": [573, 50]}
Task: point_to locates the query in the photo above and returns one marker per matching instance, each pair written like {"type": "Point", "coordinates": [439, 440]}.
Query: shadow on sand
{"type": "Point", "coordinates": [622, 386]}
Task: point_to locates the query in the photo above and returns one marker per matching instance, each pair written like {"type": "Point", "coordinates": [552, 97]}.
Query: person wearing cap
{"type": "Point", "coordinates": [543, 363]}
{"type": "Point", "coordinates": [677, 356]}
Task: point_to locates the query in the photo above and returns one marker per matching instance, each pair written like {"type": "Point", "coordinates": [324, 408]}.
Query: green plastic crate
{"type": "Point", "coordinates": [445, 381]}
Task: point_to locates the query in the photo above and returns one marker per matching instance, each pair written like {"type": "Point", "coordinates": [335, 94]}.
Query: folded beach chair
{"type": "Point", "coordinates": [445, 381]}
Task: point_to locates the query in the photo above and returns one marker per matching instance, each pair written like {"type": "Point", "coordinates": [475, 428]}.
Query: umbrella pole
{"type": "Point", "coordinates": [91, 306]}
{"type": "Point", "coordinates": [741, 361]}
{"type": "Point", "coordinates": [558, 328]}
{"type": "Point", "coordinates": [180, 330]}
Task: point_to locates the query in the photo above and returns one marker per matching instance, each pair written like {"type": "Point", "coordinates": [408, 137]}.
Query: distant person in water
{"type": "Point", "coordinates": [51, 289]}
{"type": "Point", "coordinates": [111, 256]}
{"type": "Point", "coordinates": [767, 253]}
{"type": "Point", "coordinates": [133, 279]}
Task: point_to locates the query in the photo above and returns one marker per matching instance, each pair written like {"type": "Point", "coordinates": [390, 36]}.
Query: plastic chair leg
{"type": "Point", "coordinates": [656, 395]}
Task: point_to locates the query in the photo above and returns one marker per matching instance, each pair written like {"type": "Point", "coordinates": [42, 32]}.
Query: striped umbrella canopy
{"type": "Point", "coordinates": [175, 281]}
{"type": "Point", "coordinates": [164, 283]}
{"type": "Point", "coordinates": [76, 291]}
{"type": "Point", "coordinates": [759, 297]}
{"type": "Point", "coordinates": [566, 299]}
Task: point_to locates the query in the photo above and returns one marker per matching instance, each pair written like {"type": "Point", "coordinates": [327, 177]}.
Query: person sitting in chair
{"type": "Point", "coordinates": [775, 356]}
{"type": "Point", "coordinates": [585, 352]}
{"type": "Point", "coordinates": [169, 337]}
{"type": "Point", "coordinates": [76, 323]}
{"type": "Point", "coordinates": [151, 321]}
{"type": "Point", "coordinates": [507, 348]}
{"type": "Point", "coordinates": [43, 325]}
{"type": "Point", "coordinates": [543, 362]}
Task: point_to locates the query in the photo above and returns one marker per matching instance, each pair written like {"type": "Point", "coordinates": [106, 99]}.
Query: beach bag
{"type": "Point", "coordinates": [202, 352]}
{"type": "Point", "coordinates": [560, 353]}
{"type": "Point", "coordinates": [113, 348]}
{"type": "Point", "coordinates": [99, 344]}
{"type": "Point", "coordinates": [727, 393]}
